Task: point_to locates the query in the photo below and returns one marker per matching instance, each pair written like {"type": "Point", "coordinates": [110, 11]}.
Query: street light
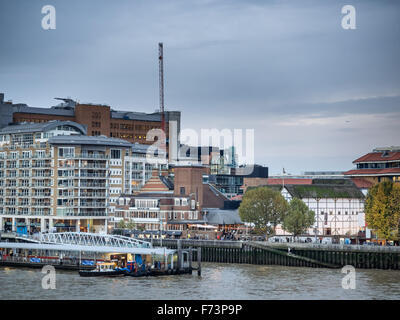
{"type": "Point", "coordinates": [160, 230]}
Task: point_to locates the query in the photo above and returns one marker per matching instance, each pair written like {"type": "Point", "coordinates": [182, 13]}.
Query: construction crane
{"type": "Point", "coordinates": [161, 81]}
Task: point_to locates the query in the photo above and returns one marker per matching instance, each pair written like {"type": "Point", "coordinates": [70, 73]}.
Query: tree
{"type": "Point", "coordinates": [382, 210]}
{"type": "Point", "coordinates": [121, 224]}
{"type": "Point", "coordinates": [131, 225]}
{"type": "Point", "coordinates": [263, 207]}
{"type": "Point", "coordinates": [299, 218]}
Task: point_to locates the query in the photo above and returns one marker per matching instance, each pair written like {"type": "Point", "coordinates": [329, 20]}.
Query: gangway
{"type": "Point", "coordinates": [92, 239]}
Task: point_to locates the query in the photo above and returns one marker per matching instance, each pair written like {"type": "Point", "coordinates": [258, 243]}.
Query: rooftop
{"type": "Point", "coordinates": [379, 156]}
{"type": "Point", "coordinates": [222, 217]}
{"type": "Point", "coordinates": [372, 172]}
{"type": "Point", "coordinates": [89, 140]}
{"type": "Point", "coordinates": [28, 127]}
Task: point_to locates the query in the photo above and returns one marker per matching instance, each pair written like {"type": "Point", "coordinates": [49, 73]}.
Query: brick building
{"type": "Point", "coordinates": [171, 205]}
{"type": "Point", "coordinates": [99, 119]}
{"type": "Point", "coordinates": [379, 165]}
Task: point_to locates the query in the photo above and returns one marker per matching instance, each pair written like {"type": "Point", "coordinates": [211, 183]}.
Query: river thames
{"type": "Point", "coordinates": [218, 281]}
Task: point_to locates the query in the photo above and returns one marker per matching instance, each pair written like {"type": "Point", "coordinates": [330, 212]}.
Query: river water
{"type": "Point", "coordinates": [218, 281]}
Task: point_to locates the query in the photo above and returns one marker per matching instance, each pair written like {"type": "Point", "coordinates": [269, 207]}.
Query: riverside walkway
{"type": "Point", "coordinates": [292, 254]}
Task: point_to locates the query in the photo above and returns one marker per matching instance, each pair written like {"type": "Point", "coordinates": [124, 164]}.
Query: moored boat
{"type": "Point", "coordinates": [107, 269]}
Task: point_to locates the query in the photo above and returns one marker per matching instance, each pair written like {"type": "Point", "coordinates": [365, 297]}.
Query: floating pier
{"type": "Point", "coordinates": [81, 251]}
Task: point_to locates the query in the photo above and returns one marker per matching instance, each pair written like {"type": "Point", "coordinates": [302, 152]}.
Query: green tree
{"type": "Point", "coordinates": [299, 218]}
{"type": "Point", "coordinates": [131, 225]}
{"type": "Point", "coordinates": [121, 224]}
{"type": "Point", "coordinates": [382, 210]}
{"type": "Point", "coordinates": [264, 207]}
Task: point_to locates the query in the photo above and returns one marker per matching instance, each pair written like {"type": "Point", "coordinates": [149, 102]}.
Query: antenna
{"type": "Point", "coordinates": [161, 75]}
{"type": "Point", "coordinates": [161, 80]}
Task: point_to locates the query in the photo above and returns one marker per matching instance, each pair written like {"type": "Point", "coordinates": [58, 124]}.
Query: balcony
{"type": "Point", "coordinates": [94, 185]}
{"type": "Point", "coordinates": [92, 156]}
{"type": "Point", "coordinates": [93, 205]}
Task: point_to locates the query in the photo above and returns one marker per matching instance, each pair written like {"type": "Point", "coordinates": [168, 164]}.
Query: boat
{"type": "Point", "coordinates": [108, 269]}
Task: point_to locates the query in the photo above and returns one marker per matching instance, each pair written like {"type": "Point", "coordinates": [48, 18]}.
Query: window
{"type": "Point", "coordinates": [115, 154]}
{"type": "Point", "coordinates": [96, 115]}
{"type": "Point", "coordinates": [66, 152]}
{"type": "Point", "coordinates": [182, 190]}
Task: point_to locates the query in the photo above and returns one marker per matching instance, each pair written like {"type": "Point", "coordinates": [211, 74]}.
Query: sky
{"type": "Point", "coordinates": [317, 95]}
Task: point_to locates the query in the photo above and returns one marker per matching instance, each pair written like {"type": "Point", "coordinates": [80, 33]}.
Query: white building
{"type": "Point", "coordinates": [338, 205]}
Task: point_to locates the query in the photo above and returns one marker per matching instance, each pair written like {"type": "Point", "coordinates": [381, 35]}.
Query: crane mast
{"type": "Point", "coordinates": [161, 82]}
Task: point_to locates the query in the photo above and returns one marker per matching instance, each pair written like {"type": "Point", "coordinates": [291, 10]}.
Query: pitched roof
{"type": "Point", "coordinates": [156, 184]}
{"type": "Point", "coordinates": [221, 217]}
{"type": "Point", "coordinates": [362, 183]}
{"type": "Point", "coordinates": [379, 157]}
{"type": "Point", "coordinates": [323, 188]}
{"type": "Point", "coordinates": [325, 191]}
{"type": "Point", "coordinates": [271, 181]}
{"type": "Point", "coordinates": [367, 172]}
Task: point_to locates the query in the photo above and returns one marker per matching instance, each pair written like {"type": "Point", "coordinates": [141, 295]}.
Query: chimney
{"type": "Point", "coordinates": [188, 181]}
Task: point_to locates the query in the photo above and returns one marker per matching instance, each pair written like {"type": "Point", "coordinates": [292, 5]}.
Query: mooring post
{"type": "Point", "coordinates": [190, 258]}
{"type": "Point", "coordinates": [165, 260]}
{"type": "Point", "coordinates": [199, 261]}
{"type": "Point", "coordinates": [179, 246]}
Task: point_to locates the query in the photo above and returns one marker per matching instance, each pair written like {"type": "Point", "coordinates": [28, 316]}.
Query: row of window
{"type": "Point", "coordinates": [346, 213]}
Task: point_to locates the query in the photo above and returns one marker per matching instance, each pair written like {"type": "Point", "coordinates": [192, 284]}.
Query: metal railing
{"type": "Point", "coordinates": [338, 247]}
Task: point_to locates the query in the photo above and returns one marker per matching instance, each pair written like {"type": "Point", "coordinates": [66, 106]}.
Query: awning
{"type": "Point", "coordinates": [206, 226]}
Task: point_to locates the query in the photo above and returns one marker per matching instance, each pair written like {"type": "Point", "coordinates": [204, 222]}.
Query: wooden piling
{"type": "Point", "coordinates": [199, 261]}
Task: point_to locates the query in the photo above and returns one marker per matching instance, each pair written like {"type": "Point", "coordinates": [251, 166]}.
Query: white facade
{"type": "Point", "coordinates": [333, 216]}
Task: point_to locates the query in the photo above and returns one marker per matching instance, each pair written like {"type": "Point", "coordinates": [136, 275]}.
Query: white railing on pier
{"type": "Point", "coordinates": [91, 239]}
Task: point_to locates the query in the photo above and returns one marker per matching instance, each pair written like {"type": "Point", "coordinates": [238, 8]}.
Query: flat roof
{"type": "Point", "coordinates": [89, 140]}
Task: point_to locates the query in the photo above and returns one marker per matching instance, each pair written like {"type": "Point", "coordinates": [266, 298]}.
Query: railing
{"type": "Point", "coordinates": [339, 247]}
{"type": "Point", "coordinates": [65, 261]}
{"type": "Point", "coordinates": [93, 205]}
{"type": "Point", "coordinates": [93, 185]}
{"type": "Point", "coordinates": [91, 156]}
{"type": "Point", "coordinates": [93, 166]}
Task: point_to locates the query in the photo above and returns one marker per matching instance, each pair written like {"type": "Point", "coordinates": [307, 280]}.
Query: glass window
{"type": "Point", "coordinates": [115, 154]}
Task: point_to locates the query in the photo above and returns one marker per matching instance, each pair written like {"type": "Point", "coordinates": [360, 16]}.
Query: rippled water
{"type": "Point", "coordinates": [218, 281]}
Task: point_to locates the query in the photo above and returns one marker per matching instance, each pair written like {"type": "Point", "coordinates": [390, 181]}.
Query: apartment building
{"type": "Point", "coordinates": [140, 165]}
{"type": "Point", "coordinates": [55, 177]}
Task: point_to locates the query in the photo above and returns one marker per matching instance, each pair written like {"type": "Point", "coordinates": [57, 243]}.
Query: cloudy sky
{"type": "Point", "coordinates": [317, 96]}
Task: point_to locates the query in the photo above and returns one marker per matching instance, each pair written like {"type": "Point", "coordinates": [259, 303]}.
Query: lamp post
{"type": "Point", "coordinates": [160, 230]}
{"type": "Point", "coordinates": [317, 218]}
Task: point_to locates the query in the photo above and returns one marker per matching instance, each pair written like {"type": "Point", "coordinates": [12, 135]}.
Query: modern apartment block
{"type": "Point", "coordinates": [140, 165]}
{"type": "Point", "coordinates": [54, 176]}
{"type": "Point", "coordinates": [99, 120]}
